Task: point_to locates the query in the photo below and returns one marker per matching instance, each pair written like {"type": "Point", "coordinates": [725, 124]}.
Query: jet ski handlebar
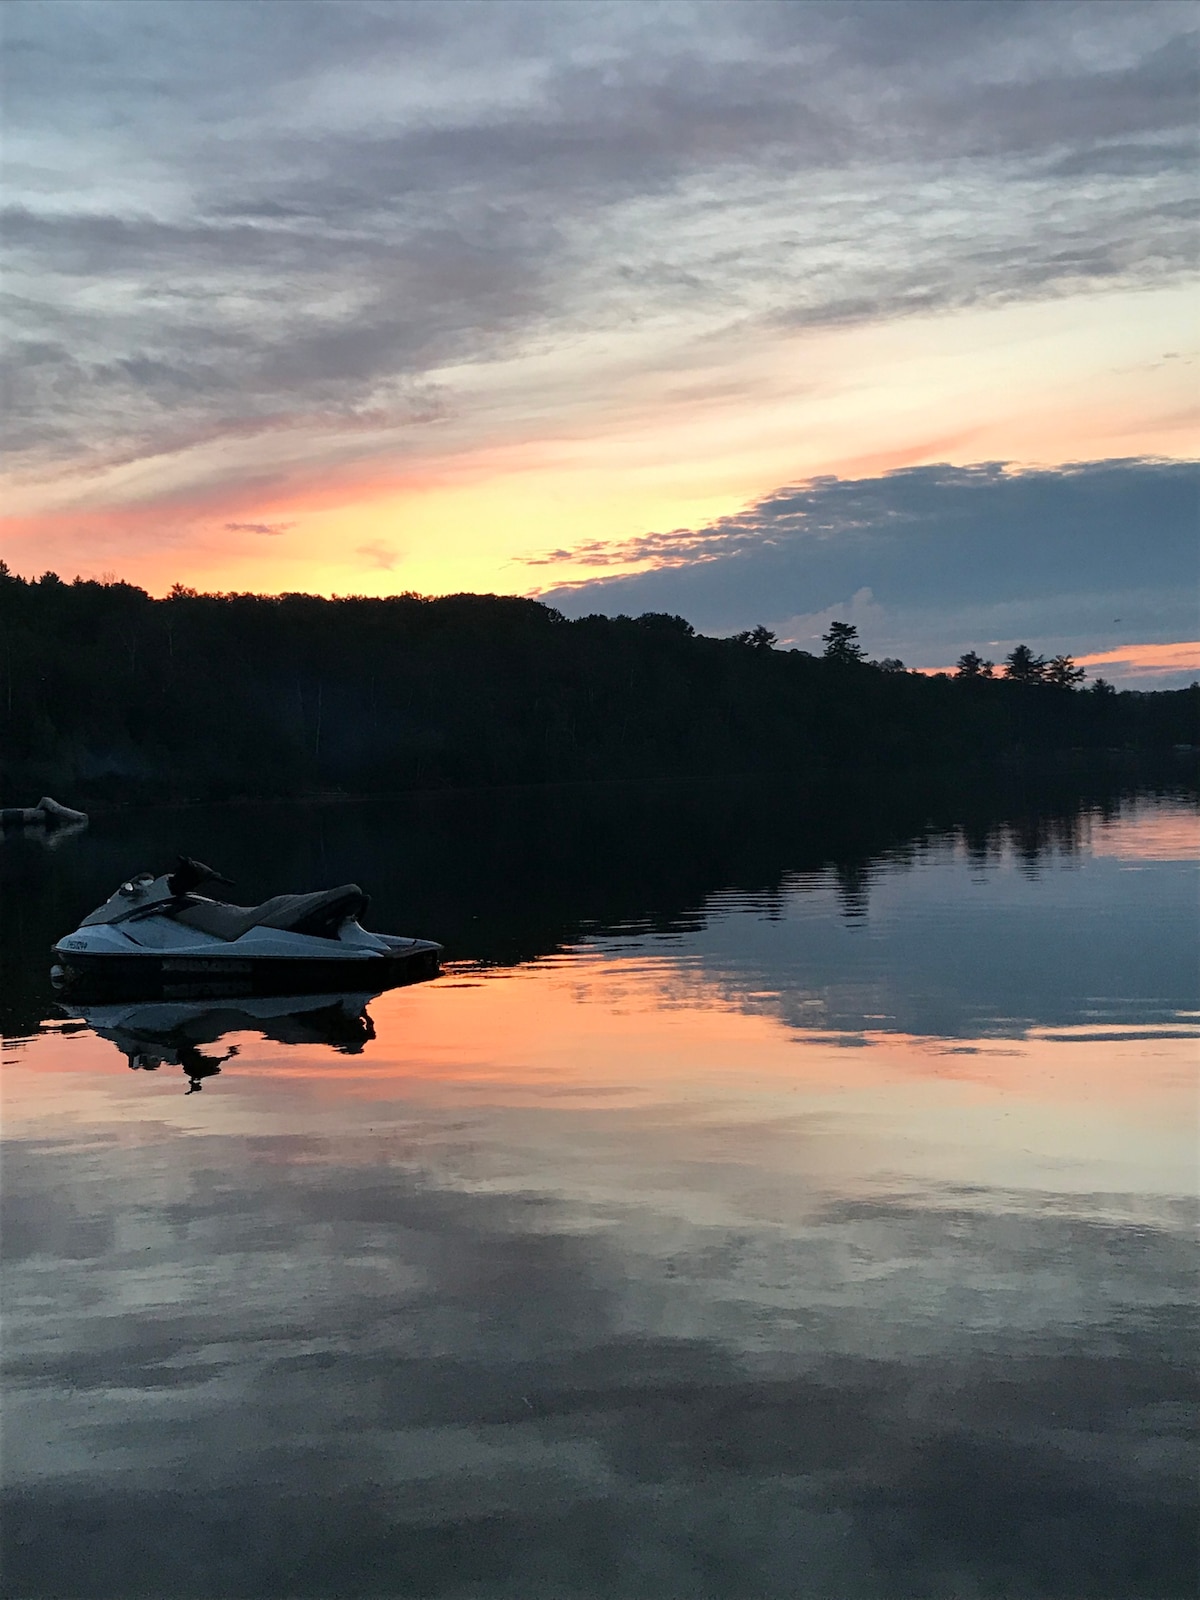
{"type": "Point", "coordinates": [190, 874]}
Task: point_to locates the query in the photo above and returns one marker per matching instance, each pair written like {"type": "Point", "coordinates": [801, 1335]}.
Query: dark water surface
{"type": "Point", "coordinates": [777, 1196]}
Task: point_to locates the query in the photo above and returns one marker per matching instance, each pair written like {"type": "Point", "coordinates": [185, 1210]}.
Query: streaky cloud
{"type": "Point", "coordinates": [270, 529]}
{"type": "Point", "coordinates": [437, 197]}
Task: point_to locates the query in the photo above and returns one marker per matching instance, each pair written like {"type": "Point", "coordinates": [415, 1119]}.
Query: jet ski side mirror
{"type": "Point", "coordinates": [190, 874]}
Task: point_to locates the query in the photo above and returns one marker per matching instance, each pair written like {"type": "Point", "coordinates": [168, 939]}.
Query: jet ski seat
{"type": "Point", "coordinates": [320, 914]}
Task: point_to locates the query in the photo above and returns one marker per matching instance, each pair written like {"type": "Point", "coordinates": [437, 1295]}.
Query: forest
{"type": "Point", "coordinates": [109, 695]}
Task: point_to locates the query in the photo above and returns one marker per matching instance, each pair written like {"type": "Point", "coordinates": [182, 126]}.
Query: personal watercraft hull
{"type": "Point", "coordinates": [157, 938]}
{"type": "Point", "coordinates": [159, 975]}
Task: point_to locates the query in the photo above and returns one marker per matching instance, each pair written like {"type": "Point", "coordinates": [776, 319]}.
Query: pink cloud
{"type": "Point", "coordinates": [1147, 660]}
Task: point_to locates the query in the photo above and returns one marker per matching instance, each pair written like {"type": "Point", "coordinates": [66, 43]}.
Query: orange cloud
{"type": "Point", "coordinates": [1148, 660]}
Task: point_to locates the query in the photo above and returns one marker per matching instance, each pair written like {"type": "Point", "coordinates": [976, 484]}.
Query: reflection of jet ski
{"type": "Point", "coordinates": [157, 936]}
{"type": "Point", "coordinates": [167, 1033]}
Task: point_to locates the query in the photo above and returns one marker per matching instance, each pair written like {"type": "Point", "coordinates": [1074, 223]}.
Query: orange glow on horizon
{"type": "Point", "coordinates": [1134, 660]}
{"type": "Point", "coordinates": [547, 452]}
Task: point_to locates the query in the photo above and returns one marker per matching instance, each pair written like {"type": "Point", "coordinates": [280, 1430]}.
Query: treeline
{"type": "Point", "coordinates": [106, 693]}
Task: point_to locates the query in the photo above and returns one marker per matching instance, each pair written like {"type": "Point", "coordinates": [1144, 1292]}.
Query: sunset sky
{"type": "Point", "coordinates": [756, 312]}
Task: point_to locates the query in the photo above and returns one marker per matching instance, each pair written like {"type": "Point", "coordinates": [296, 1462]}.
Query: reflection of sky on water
{"type": "Point", "coordinates": [592, 1278]}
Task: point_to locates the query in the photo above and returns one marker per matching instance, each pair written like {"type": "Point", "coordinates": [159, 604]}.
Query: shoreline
{"type": "Point", "coordinates": [1179, 767]}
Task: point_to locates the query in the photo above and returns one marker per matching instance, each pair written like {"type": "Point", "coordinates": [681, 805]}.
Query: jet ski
{"type": "Point", "coordinates": [158, 937]}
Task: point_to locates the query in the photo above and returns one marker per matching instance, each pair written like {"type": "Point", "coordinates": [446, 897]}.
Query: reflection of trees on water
{"type": "Point", "coordinates": [504, 876]}
{"type": "Point", "coordinates": [853, 889]}
{"type": "Point", "coordinates": [1036, 836]}
{"type": "Point", "coordinates": [773, 905]}
{"type": "Point", "coordinates": [1032, 838]}
{"type": "Point", "coordinates": [984, 846]}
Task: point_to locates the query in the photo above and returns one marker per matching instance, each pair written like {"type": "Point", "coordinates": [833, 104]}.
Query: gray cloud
{"type": "Point", "coordinates": [931, 561]}
{"type": "Point", "coordinates": [321, 208]}
{"type": "Point", "coordinates": [271, 529]}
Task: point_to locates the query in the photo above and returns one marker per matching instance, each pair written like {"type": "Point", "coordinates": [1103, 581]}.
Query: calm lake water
{"type": "Point", "coordinates": [777, 1196]}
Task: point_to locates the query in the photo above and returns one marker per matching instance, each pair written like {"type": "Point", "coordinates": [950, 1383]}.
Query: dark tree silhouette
{"type": "Point", "coordinates": [761, 638]}
{"type": "Point", "coordinates": [972, 665]}
{"type": "Point", "coordinates": [1022, 666]}
{"type": "Point", "coordinates": [841, 643]}
{"type": "Point", "coordinates": [665, 622]}
{"type": "Point", "coordinates": [108, 695]}
{"type": "Point", "coordinates": [1062, 673]}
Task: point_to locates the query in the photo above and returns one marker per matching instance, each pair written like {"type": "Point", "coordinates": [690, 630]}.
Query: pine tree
{"type": "Point", "coordinates": [841, 643]}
